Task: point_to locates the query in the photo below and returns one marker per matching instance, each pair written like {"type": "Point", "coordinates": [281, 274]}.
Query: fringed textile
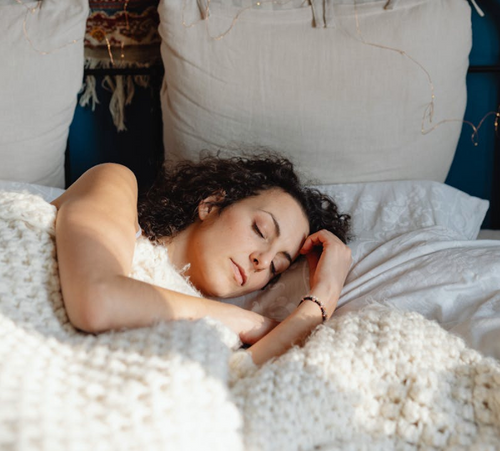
{"type": "Point", "coordinates": [120, 34]}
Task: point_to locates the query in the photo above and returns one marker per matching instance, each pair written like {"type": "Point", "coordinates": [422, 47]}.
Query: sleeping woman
{"type": "Point", "coordinates": [238, 223]}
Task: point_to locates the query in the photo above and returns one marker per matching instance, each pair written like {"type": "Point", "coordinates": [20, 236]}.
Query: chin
{"type": "Point", "coordinates": [222, 290]}
{"type": "Point", "coordinates": [225, 294]}
{"type": "Point", "coordinates": [218, 286]}
{"type": "Point", "coordinates": [215, 289]}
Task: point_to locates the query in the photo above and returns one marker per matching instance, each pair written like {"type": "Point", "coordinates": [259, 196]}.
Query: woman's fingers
{"type": "Point", "coordinates": [319, 238]}
{"type": "Point", "coordinates": [312, 258]}
{"type": "Point", "coordinates": [329, 261]}
{"type": "Point", "coordinates": [261, 327]}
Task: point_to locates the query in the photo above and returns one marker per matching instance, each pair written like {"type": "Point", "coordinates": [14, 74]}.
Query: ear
{"type": "Point", "coordinates": [207, 206]}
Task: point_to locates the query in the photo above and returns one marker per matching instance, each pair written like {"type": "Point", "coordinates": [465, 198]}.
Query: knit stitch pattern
{"type": "Point", "coordinates": [374, 380]}
{"type": "Point", "coordinates": [160, 387]}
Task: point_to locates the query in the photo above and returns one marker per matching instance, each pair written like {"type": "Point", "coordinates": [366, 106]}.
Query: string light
{"type": "Point", "coordinates": [205, 15]}
{"type": "Point", "coordinates": [126, 14]}
{"type": "Point", "coordinates": [33, 10]}
{"type": "Point", "coordinates": [122, 45]}
{"type": "Point", "coordinates": [429, 110]}
{"type": "Point", "coordinates": [428, 114]}
{"type": "Point", "coordinates": [110, 52]}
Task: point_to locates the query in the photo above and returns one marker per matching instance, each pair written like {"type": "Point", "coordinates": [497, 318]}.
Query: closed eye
{"type": "Point", "coordinates": [257, 230]}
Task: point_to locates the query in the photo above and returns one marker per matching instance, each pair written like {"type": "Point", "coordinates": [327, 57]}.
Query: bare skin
{"type": "Point", "coordinates": [95, 235]}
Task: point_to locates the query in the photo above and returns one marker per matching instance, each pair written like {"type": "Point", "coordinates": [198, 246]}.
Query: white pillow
{"type": "Point", "coordinates": [342, 110]}
{"type": "Point", "coordinates": [383, 210]}
{"type": "Point", "coordinates": [380, 212]}
{"type": "Point", "coordinates": [38, 92]}
{"type": "Point", "coordinates": [45, 192]}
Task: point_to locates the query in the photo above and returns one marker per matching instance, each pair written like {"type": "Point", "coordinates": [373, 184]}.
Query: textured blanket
{"type": "Point", "coordinates": [375, 379]}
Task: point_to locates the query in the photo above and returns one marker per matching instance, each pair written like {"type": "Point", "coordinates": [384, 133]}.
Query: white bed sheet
{"type": "Point", "coordinates": [453, 281]}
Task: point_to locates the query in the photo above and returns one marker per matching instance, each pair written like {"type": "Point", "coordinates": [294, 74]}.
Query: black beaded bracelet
{"type": "Point", "coordinates": [317, 301]}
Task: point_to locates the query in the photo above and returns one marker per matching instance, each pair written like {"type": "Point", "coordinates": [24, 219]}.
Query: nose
{"type": "Point", "coordinates": [261, 260]}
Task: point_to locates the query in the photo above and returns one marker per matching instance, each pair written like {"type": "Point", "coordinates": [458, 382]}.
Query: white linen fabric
{"type": "Point", "coordinates": [435, 273]}
{"type": "Point", "coordinates": [38, 91]}
{"type": "Point", "coordinates": [378, 380]}
{"type": "Point", "coordinates": [342, 110]}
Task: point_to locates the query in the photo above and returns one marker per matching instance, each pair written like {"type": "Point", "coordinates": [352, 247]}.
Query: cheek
{"type": "Point", "coordinates": [259, 281]}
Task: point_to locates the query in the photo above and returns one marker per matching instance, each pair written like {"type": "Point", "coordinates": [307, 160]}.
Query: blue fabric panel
{"type": "Point", "coordinates": [472, 168]}
{"type": "Point", "coordinates": [93, 138]}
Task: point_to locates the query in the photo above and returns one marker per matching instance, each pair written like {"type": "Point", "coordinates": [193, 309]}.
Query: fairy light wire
{"type": "Point", "coordinates": [429, 109]}
{"type": "Point", "coordinates": [205, 14]}
{"type": "Point", "coordinates": [33, 10]}
{"type": "Point", "coordinates": [428, 114]}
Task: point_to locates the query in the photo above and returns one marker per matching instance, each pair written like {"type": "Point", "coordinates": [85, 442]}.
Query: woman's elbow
{"type": "Point", "coordinates": [86, 310]}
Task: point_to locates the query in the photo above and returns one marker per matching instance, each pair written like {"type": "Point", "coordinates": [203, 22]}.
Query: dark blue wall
{"type": "Point", "coordinates": [473, 167]}
{"type": "Point", "coordinates": [93, 138]}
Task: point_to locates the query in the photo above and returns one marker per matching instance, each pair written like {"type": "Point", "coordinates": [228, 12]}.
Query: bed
{"type": "Point", "coordinates": [409, 361]}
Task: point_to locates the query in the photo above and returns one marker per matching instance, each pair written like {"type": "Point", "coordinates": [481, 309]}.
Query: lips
{"type": "Point", "coordinates": [239, 274]}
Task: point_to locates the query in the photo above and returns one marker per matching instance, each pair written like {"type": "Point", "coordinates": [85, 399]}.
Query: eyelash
{"type": "Point", "coordinates": [258, 232]}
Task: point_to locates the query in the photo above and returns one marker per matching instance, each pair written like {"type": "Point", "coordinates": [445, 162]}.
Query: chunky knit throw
{"type": "Point", "coordinates": [378, 379]}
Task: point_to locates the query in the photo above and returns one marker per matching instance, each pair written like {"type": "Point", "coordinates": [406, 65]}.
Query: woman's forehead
{"type": "Point", "coordinates": [274, 197]}
{"type": "Point", "coordinates": [283, 207]}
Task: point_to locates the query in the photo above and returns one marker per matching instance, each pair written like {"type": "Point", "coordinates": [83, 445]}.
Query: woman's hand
{"type": "Point", "coordinates": [329, 261]}
{"type": "Point", "coordinates": [250, 326]}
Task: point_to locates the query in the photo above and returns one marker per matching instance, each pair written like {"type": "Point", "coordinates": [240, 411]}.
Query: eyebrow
{"type": "Point", "coordinates": [278, 233]}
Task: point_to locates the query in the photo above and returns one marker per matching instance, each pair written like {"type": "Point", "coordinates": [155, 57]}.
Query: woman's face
{"type": "Point", "coordinates": [241, 249]}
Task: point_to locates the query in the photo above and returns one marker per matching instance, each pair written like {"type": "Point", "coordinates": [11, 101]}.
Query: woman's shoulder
{"type": "Point", "coordinates": [105, 178]}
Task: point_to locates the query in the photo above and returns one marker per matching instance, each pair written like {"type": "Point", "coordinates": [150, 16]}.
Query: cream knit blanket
{"type": "Point", "coordinates": [378, 379]}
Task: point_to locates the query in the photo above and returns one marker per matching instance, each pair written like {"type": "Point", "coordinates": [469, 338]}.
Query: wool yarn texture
{"type": "Point", "coordinates": [376, 379]}
{"type": "Point", "coordinates": [151, 388]}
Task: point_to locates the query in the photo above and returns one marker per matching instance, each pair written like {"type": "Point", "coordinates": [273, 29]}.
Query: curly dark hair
{"type": "Point", "coordinates": [171, 204]}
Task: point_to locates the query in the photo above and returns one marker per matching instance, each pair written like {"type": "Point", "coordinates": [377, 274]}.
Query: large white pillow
{"type": "Point", "coordinates": [342, 110]}
{"type": "Point", "coordinates": [383, 210]}
{"type": "Point", "coordinates": [380, 212]}
{"type": "Point", "coordinates": [38, 91]}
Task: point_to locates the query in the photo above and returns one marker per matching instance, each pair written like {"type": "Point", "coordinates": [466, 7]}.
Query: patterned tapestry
{"type": "Point", "coordinates": [120, 33]}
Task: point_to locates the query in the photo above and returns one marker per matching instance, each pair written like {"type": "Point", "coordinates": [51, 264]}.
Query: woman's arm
{"type": "Point", "coordinates": [329, 261]}
{"type": "Point", "coordinates": [95, 237]}
{"type": "Point", "coordinates": [128, 303]}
